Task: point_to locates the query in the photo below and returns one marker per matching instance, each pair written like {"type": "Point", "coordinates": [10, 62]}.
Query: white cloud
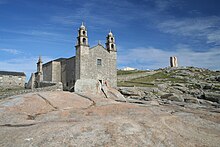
{"type": "Point", "coordinates": [10, 51]}
{"type": "Point", "coordinates": [39, 34]}
{"type": "Point", "coordinates": [200, 28]}
{"type": "Point", "coordinates": [153, 58]}
{"type": "Point", "coordinates": [162, 5]}
{"type": "Point", "coordinates": [33, 32]}
{"type": "Point", "coordinates": [113, 14]}
{"type": "Point", "coordinates": [214, 37]}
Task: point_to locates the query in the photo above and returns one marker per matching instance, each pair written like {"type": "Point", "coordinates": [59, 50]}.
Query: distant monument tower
{"type": "Point", "coordinates": [173, 62]}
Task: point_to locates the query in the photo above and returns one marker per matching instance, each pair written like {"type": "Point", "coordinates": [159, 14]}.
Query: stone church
{"type": "Point", "coordinates": [97, 63]}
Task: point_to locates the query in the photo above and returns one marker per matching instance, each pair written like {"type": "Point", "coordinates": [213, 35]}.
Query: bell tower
{"type": "Point", "coordinates": [110, 42]}
{"type": "Point", "coordinates": [111, 48]}
{"type": "Point", "coordinates": [39, 65]}
{"type": "Point", "coordinates": [82, 53]}
{"type": "Point", "coordinates": [39, 74]}
{"type": "Point", "coordinates": [82, 39]}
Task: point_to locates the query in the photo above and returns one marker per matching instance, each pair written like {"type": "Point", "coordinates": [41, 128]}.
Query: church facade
{"type": "Point", "coordinates": [97, 63]}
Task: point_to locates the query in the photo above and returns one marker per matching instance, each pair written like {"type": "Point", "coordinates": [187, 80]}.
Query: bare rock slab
{"type": "Point", "coordinates": [68, 119]}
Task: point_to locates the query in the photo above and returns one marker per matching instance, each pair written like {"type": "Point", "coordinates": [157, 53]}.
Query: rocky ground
{"type": "Point", "coordinates": [166, 107]}
{"type": "Point", "coordinates": [68, 119]}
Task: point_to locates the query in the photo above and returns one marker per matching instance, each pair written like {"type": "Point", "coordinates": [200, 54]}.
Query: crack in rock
{"type": "Point", "coordinates": [47, 101]}
{"type": "Point", "coordinates": [17, 125]}
{"type": "Point", "coordinates": [93, 102]}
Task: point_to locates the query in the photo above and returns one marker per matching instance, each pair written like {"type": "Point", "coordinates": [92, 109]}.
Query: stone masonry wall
{"type": "Point", "coordinates": [107, 70]}
{"type": "Point", "coordinates": [90, 70]}
{"type": "Point", "coordinates": [67, 73]}
{"type": "Point", "coordinates": [10, 81]}
{"type": "Point", "coordinates": [30, 84]}
{"type": "Point", "coordinates": [81, 63]}
{"type": "Point", "coordinates": [47, 72]}
{"type": "Point", "coordinates": [56, 71]}
{"type": "Point", "coordinates": [47, 84]}
{"type": "Point", "coordinates": [70, 74]}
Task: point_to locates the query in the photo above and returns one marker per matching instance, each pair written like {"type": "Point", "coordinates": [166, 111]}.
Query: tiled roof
{"type": "Point", "coordinates": [12, 73]}
{"type": "Point", "coordinates": [59, 59]}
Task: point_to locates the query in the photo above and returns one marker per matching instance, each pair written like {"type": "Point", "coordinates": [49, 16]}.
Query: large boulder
{"type": "Point", "coordinates": [131, 91]}
{"type": "Point", "coordinates": [190, 99]}
{"type": "Point", "coordinates": [217, 78]}
{"type": "Point", "coordinates": [211, 96]}
{"type": "Point", "coordinates": [207, 86]}
{"type": "Point", "coordinates": [163, 86]}
{"type": "Point", "coordinates": [87, 86]}
{"type": "Point", "coordinates": [172, 97]}
{"type": "Point", "coordinates": [113, 93]}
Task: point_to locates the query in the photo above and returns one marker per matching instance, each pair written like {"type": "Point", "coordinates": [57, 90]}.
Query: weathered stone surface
{"type": "Point", "coordinates": [218, 78]}
{"type": "Point", "coordinates": [67, 119]}
{"type": "Point", "coordinates": [207, 86]}
{"type": "Point", "coordinates": [114, 94]}
{"type": "Point", "coordinates": [214, 97]}
{"type": "Point", "coordinates": [165, 96]}
{"type": "Point", "coordinates": [87, 86]}
{"type": "Point", "coordinates": [128, 91]}
{"type": "Point", "coordinates": [172, 97]}
{"type": "Point", "coordinates": [176, 98]}
{"type": "Point", "coordinates": [190, 99]}
{"type": "Point", "coordinates": [94, 87]}
{"type": "Point", "coordinates": [163, 86]}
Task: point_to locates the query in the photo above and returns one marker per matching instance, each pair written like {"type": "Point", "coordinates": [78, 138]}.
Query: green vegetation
{"type": "Point", "coordinates": [122, 72]}
{"type": "Point", "coordinates": [191, 76]}
{"type": "Point", "coordinates": [135, 84]}
{"type": "Point", "coordinates": [153, 80]}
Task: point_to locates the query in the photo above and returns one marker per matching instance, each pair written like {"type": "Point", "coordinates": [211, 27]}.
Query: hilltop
{"type": "Point", "coordinates": [186, 84]}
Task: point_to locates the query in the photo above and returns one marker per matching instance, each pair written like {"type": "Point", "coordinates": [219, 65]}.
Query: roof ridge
{"type": "Point", "coordinates": [14, 73]}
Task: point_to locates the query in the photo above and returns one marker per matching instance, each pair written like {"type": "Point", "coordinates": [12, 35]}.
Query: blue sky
{"type": "Point", "coordinates": [147, 32]}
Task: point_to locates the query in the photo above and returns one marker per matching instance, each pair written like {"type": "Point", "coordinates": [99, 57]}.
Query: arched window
{"type": "Point", "coordinates": [84, 32]}
{"type": "Point", "coordinates": [112, 39]}
{"type": "Point", "coordinates": [84, 41]}
{"type": "Point", "coordinates": [112, 46]}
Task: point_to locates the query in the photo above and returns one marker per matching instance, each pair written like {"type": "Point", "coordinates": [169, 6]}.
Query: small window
{"type": "Point", "coordinates": [99, 62]}
{"type": "Point", "coordinates": [19, 78]}
{"type": "Point", "coordinates": [84, 41]}
{"type": "Point", "coordinates": [67, 84]}
{"type": "Point", "coordinates": [112, 46]}
{"type": "Point", "coordinates": [84, 33]}
{"type": "Point", "coordinates": [112, 39]}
